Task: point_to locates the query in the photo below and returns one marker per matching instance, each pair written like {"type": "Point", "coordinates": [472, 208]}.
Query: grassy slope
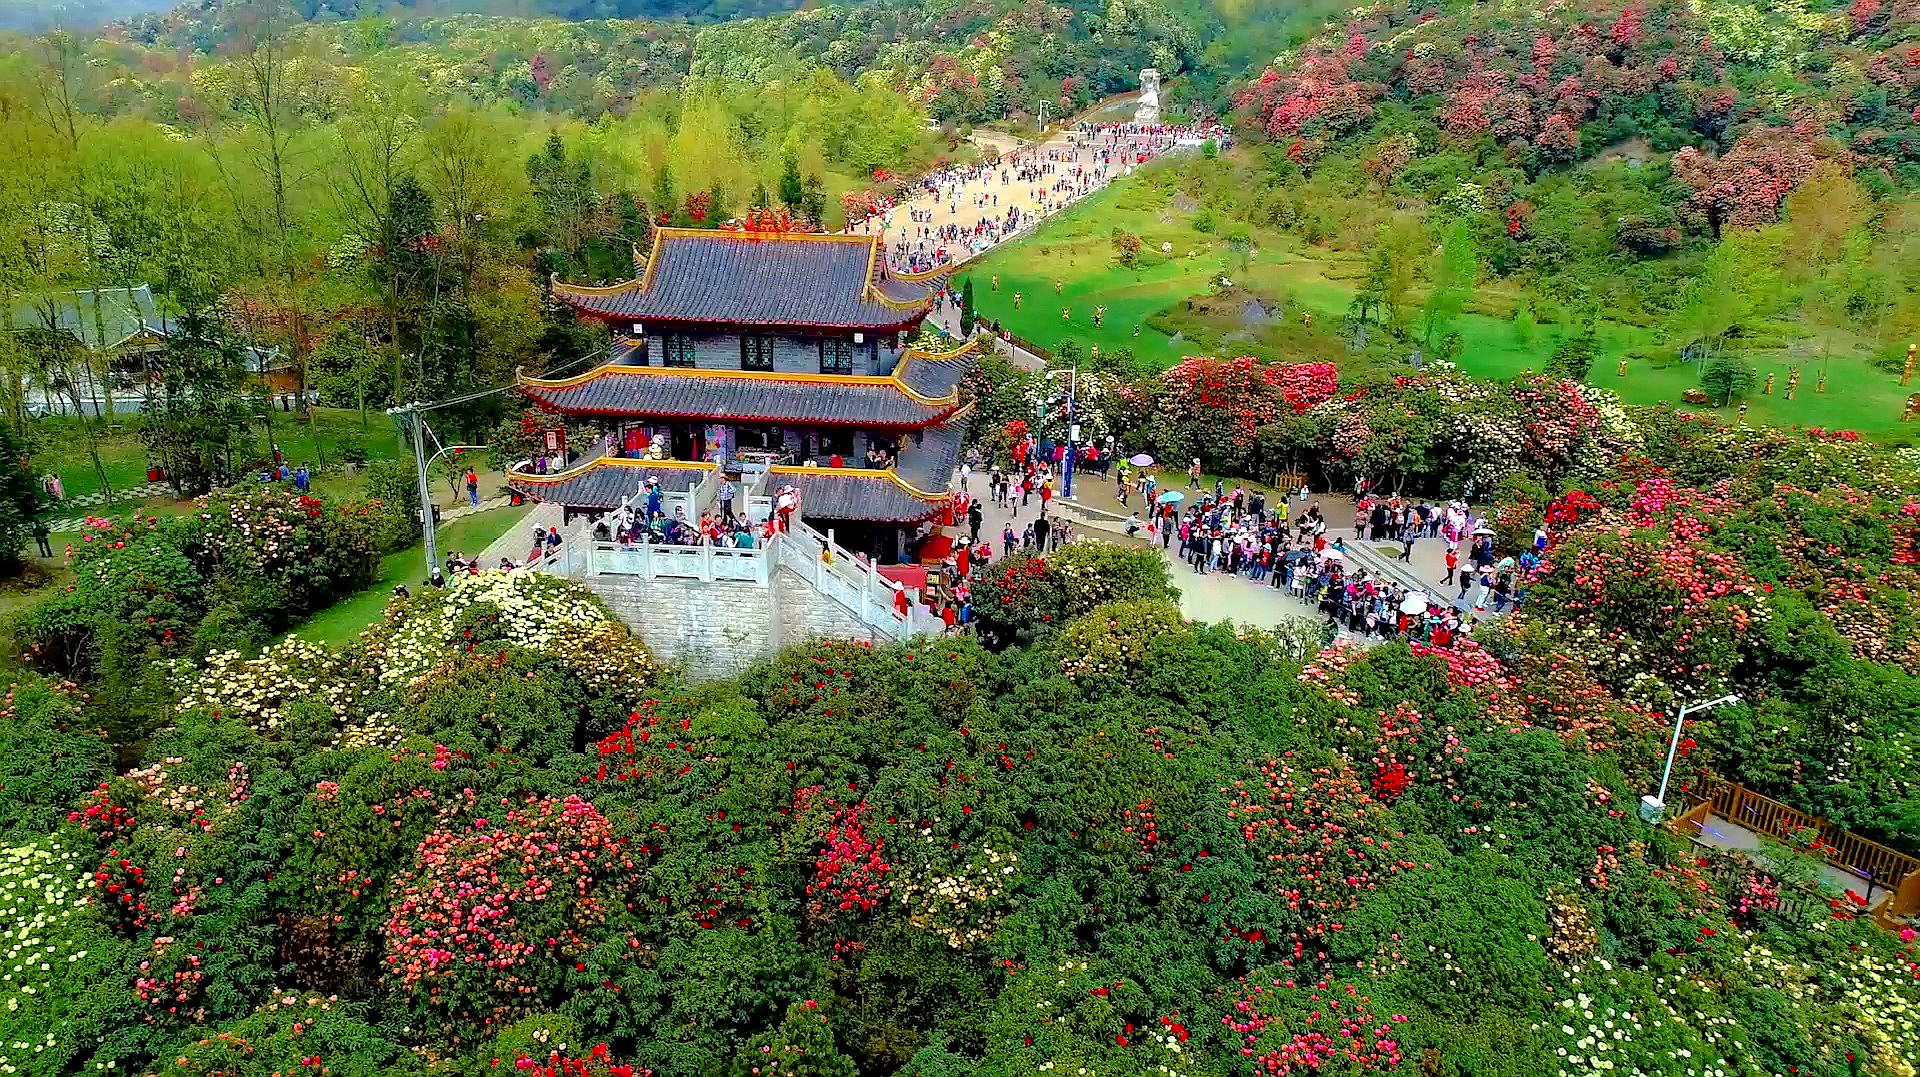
{"type": "Point", "coordinates": [1076, 249]}
{"type": "Point", "coordinates": [344, 619]}
{"type": "Point", "coordinates": [63, 446]}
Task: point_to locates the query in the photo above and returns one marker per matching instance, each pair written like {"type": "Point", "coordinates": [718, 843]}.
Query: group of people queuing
{"type": "Point", "coordinates": [546, 544]}
{"type": "Point", "coordinates": [988, 201]}
{"type": "Point", "coordinates": [646, 521]}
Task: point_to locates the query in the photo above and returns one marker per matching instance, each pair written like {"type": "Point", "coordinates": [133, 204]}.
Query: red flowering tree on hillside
{"type": "Point", "coordinates": [501, 914]}
{"type": "Point", "coordinates": [1745, 186]}
{"type": "Point", "coordinates": [1317, 96]}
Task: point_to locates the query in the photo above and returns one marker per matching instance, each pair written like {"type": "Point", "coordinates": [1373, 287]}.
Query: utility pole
{"type": "Point", "coordinates": [1073, 425]}
{"type": "Point", "coordinates": [411, 415]}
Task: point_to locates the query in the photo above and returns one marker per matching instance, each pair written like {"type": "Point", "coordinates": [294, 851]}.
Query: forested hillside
{"type": "Point", "coordinates": [387, 229]}
{"type": "Point", "coordinates": [1715, 185]}
{"type": "Point", "coordinates": [966, 60]}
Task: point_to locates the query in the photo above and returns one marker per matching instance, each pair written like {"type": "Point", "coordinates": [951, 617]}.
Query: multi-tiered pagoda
{"type": "Point", "coordinates": [776, 352]}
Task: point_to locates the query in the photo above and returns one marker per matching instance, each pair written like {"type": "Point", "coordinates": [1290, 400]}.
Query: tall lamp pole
{"type": "Point", "coordinates": [1655, 806]}
{"type": "Point", "coordinates": [1073, 424]}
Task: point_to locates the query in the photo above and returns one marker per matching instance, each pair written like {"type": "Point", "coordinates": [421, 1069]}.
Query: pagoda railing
{"type": "Point", "coordinates": [659, 561]}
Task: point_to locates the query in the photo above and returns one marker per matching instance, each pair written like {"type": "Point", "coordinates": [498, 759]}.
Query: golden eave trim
{"type": "Point", "coordinates": [630, 462]}
{"type": "Point", "coordinates": [883, 381]}
{"type": "Point", "coordinates": [859, 473]}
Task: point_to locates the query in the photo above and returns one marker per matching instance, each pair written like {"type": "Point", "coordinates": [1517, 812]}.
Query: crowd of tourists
{"type": "Point", "coordinates": [986, 202]}
{"type": "Point", "coordinates": [1284, 545]}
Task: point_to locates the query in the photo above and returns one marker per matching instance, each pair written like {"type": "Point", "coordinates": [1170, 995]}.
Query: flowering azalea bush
{"type": "Point", "coordinates": [51, 951]}
{"type": "Point", "coordinates": [1022, 595]}
{"type": "Point", "coordinates": [264, 690]}
{"type": "Point", "coordinates": [500, 912]}
{"type": "Point", "coordinates": [473, 613]}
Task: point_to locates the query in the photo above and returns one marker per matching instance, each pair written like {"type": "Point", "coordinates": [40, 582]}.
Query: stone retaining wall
{"type": "Point", "coordinates": [716, 628]}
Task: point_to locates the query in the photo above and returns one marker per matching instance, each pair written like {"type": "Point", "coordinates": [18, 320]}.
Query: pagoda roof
{"type": "Point", "coordinates": [605, 482]}
{"type": "Point", "coordinates": [858, 494]}
{"type": "Point", "coordinates": [915, 489]}
{"type": "Point", "coordinates": [794, 279]}
{"type": "Point", "coordinates": [922, 390]}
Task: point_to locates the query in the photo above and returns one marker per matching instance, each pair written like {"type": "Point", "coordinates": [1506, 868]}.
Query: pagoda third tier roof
{"type": "Point", "coordinates": [801, 280]}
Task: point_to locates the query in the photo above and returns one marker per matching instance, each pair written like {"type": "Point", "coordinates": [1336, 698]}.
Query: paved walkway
{"type": "Point", "coordinates": [97, 500]}
{"type": "Point", "coordinates": [1213, 596]}
{"type": "Point", "coordinates": [982, 203]}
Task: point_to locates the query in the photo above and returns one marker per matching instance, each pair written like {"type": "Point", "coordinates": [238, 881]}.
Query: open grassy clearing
{"type": "Point", "coordinates": [1171, 305]}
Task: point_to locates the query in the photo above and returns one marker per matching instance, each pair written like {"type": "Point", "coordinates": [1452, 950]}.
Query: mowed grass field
{"type": "Point", "coordinates": [1172, 305]}
{"type": "Point", "coordinates": [332, 436]}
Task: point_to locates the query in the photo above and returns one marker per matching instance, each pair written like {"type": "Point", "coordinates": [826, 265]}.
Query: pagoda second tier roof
{"type": "Point", "coordinates": [803, 280]}
{"type": "Point", "coordinates": [922, 390]}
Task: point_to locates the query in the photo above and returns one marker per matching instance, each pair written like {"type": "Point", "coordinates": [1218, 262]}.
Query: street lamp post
{"type": "Point", "coordinates": [1654, 806]}
{"type": "Point", "coordinates": [1073, 425]}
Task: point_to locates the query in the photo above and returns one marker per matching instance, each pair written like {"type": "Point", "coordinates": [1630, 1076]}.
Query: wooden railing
{"type": "Point", "coordinates": [1860, 856]}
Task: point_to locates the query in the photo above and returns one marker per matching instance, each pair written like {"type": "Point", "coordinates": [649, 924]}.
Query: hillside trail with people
{"type": "Point", "coordinates": [955, 214]}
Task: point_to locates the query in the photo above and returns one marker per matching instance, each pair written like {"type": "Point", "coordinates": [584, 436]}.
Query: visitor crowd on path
{"type": "Point", "coordinates": [1284, 545]}
{"type": "Point", "coordinates": [956, 213]}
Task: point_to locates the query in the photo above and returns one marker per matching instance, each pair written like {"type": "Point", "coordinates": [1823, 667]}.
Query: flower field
{"type": "Point", "coordinates": [492, 833]}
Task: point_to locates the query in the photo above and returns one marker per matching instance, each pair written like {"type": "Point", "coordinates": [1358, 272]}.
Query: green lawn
{"type": "Point", "coordinates": [1171, 306]}
{"type": "Point", "coordinates": [344, 619]}
{"type": "Point", "coordinates": [62, 446]}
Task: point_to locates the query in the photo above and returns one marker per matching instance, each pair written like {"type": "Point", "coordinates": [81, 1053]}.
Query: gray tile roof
{"type": "Point", "coordinates": [695, 395]}
{"type": "Point", "coordinates": [745, 278]}
{"type": "Point", "coordinates": [856, 496]}
{"type": "Point", "coordinates": [604, 483]}
{"type": "Point", "coordinates": [937, 377]}
{"type": "Point", "coordinates": [929, 464]}
{"type": "Point", "coordinates": [96, 317]}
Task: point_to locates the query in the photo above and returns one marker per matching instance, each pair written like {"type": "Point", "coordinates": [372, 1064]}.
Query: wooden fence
{"type": "Point", "coordinates": [1889, 869]}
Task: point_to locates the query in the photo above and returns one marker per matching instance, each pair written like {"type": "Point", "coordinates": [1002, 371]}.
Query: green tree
{"type": "Point", "coordinates": [793, 193]}
{"type": "Point", "coordinates": [197, 409]}
{"type": "Point", "coordinates": [1455, 271]}
{"type": "Point", "coordinates": [1573, 357]}
{"type": "Point", "coordinates": [1726, 376]}
{"type": "Point", "coordinates": [813, 200]}
{"type": "Point", "coordinates": [22, 502]}
{"type": "Point", "coordinates": [966, 308]}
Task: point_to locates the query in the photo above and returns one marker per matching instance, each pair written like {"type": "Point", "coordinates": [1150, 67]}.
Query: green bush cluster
{"type": "Point", "coordinates": [1132, 845]}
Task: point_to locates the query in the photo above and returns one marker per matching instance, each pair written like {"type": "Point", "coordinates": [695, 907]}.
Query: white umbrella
{"type": "Point", "coordinates": [1332, 554]}
{"type": "Point", "coordinates": [1483, 529]}
{"type": "Point", "coordinates": [1414, 603]}
{"type": "Point", "coordinates": [1140, 459]}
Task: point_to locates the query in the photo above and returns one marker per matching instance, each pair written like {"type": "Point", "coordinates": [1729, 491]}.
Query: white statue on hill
{"type": "Point", "coordinates": [1149, 109]}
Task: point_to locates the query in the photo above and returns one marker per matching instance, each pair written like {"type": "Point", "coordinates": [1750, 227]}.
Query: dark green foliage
{"type": "Point", "coordinates": [196, 410]}
{"type": "Point", "coordinates": [23, 504]}
{"type": "Point", "coordinates": [49, 760]}
{"type": "Point", "coordinates": [1727, 378]}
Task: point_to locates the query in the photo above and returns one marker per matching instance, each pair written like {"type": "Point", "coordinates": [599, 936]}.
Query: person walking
{"type": "Point", "coordinates": [473, 488]}
{"type": "Point", "coordinates": [727, 492]}
{"type": "Point", "coordinates": [43, 538]}
{"type": "Point", "coordinates": [1453, 565]}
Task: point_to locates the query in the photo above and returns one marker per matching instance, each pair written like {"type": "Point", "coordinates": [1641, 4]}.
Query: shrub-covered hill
{"type": "Point", "coordinates": [475, 842]}
{"type": "Point", "coordinates": [1750, 95]}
